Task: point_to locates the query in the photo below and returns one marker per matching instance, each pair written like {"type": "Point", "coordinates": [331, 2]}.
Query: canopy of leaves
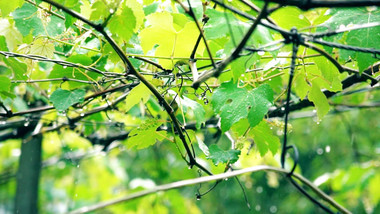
{"type": "Point", "coordinates": [108, 84]}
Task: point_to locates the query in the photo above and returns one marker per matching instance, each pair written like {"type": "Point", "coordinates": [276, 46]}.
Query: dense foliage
{"type": "Point", "coordinates": [129, 95]}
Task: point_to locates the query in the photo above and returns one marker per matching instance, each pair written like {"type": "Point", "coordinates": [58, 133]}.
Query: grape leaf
{"type": "Point", "coordinates": [11, 34]}
{"type": "Point", "coordinates": [70, 72]}
{"type": "Point", "coordinates": [123, 24]}
{"type": "Point", "coordinates": [7, 7]}
{"type": "Point", "coordinates": [234, 103]}
{"type": "Point", "coordinates": [26, 20]}
{"type": "Point", "coordinates": [42, 47]}
{"type": "Point", "coordinates": [145, 135]}
{"type": "Point", "coordinates": [5, 83]}
{"type": "Point", "coordinates": [319, 99]}
{"type": "Point", "coordinates": [366, 37]}
{"type": "Point", "coordinates": [264, 138]}
{"type": "Point", "coordinates": [56, 26]}
{"type": "Point", "coordinates": [18, 68]}
{"type": "Point", "coordinates": [179, 41]}
{"type": "Point", "coordinates": [198, 110]}
{"type": "Point", "coordinates": [63, 99]}
{"type": "Point", "coordinates": [217, 155]}
{"type": "Point", "coordinates": [288, 17]}
{"type": "Point", "coordinates": [137, 94]}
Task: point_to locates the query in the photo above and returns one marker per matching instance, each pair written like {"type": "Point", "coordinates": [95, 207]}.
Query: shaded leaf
{"type": "Point", "coordinates": [217, 155]}
{"type": "Point", "coordinates": [264, 139]}
{"type": "Point", "coordinates": [234, 103]}
{"type": "Point", "coordinates": [63, 99]}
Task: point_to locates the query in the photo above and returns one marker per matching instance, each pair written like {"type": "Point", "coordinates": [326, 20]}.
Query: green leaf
{"type": "Point", "coordinates": [319, 99]}
{"type": "Point", "coordinates": [123, 24]}
{"type": "Point", "coordinates": [99, 10]}
{"type": "Point", "coordinates": [288, 17]}
{"type": "Point", "coordinates": [56, 26]}
{"type": "Point", "coordinates": [240, 65]}
{"type": "Point", "coordinates": [234, 103]}
{"type": "Point", "coordinates": [138, 12]}
{"type": "Point", "coordinates": [19, 69]}
{"type": "Point", "coordinates": [366, 37]}
{"type": "Point", "coordinates": [137, 94]}
{"type": "Point", "coordinates": [177, 43]}
{"type": "Point", "coordinates": [145, 135]}
{"type": "Point", "coordinates": [264, 139]}
{"type": "Point", "coordinates": [7, 7]}
{"type": "Point", "coordinates": [217, 28]}
{"type": "Point", "coordinates": [42, 47]}
{"type": "Point", "coordinates": [217, 155]}
{"type": "Point", "coordinates": [5, 83]}
{"type": "Point", "coordinates": [198, 110]}
{"type": "Point", "coordinates": [26, 20]}
{"type": "Point", "coordinates": [70, 72]}
{"type": "Point", "coordinates": [63, 99]}
{"type": "Point", "coordinates": [11, 34]}
{"type": "Point", "coordinates": [330, 73]}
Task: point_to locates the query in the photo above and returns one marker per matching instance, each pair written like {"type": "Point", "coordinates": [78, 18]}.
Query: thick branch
{"type": "Point", "coordinates": [305, 5]}
{"type": "Point", "coordinates": [217, 177]}
{"type": "Point", "coordinates": [217, 71]}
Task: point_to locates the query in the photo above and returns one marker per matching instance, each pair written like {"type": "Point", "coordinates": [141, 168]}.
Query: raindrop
{"type": "Point", "coordinates": [318, 122]}
{"type": "Point", "coordinates": [26, 124]}
{"type": "Point", "coordinates": [64, 67]}
{"type": "Point", "coordinates": [328, 149]}
{"type": "Point", "coordinates": [76, 195]}
{"type": "Point", "coordinates": [270, 79]}
{"type": "Point", "coordinates": [282, 108]}
{"type": "Point", "coordinates": [259, 189]}
{"type": "Point", "coordinates": [132, 57]}
{"type": "Point", "coordinates": [271, 127]}
{"type": "Point", "coordinates": [258, 208]}
{"type": "Point", "coordinates": [198, 197]}
{"type": "Point", "coordinates": [319, 151]}
{"type": "Point", "coordinates": [112, 11]}
{"type": "Point", "coordinates": [82, 114]}
{"type": "Point", "coordinates": [78, 166]}
{"type": "Point", "coordinates": [110, 120]}
{"type": "Point", "coordinates": [7, 56]}
{"type": "Point", "coordinates": [273, 209]}
{"type": "Point", "coordinates": [226, 179]}
{"type": "Point", "coordinates": [301, 16]}
{"type": "Point", "coordinates": [260, 53]}
{"type": "Point", "coordinates": [59, 25]}
{"type": "Point", "coordinates": [189, 167]}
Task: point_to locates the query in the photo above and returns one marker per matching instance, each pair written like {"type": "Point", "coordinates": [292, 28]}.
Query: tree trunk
{"type": "Point", "coordinates": [28, 175]}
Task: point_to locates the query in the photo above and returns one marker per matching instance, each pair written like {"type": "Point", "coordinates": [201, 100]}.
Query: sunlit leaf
{"type": "Point", "coordinates": [145, 135]}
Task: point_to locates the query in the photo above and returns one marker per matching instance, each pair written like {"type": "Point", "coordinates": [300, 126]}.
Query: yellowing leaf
{"type": "Point", "coordinates": [137, 94]}
{"type": "Point", "coordinates": [176, 43]}
{"type": "Point", "coordinates": [138, 12]}
{"type": "Point", "coordinates": [42, 47]}
{"type": "Point", "coordinates": [11, 34]}
{"type": "Point", "coordinates": [7, 7]}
